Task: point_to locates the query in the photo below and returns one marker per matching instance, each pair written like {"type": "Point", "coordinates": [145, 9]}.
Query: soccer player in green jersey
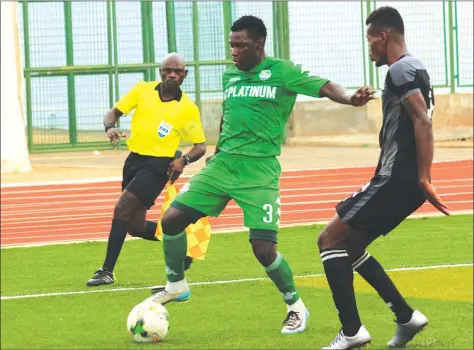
{"type": "Point", "coordinates": [259, 94]}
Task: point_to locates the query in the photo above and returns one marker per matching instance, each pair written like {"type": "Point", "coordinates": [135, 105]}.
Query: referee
{"type": "Point", "coordinates": [163, 116]}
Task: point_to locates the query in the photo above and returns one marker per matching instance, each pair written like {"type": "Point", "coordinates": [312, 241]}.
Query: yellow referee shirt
{"type": "Point", "coordinates": [157, 127]}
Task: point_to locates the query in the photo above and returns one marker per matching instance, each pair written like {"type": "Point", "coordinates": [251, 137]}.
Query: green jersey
{"type": "Point", "coordinates": [258, 103]}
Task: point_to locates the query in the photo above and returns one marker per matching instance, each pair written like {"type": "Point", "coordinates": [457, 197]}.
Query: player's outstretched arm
{"type": "Point", "coordinates": [339, 94]}
{"type": "Point", "coordinates": [415, 105]}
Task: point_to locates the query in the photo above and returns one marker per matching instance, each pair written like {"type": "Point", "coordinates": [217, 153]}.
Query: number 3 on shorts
{"type": "Point", "coordinates": [268, 218]}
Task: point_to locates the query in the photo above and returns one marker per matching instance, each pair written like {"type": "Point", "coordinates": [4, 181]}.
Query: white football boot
{"type": "Point", "coordinates": [174, 291]}
{"type": "Point", "coordinates": [295, 321]}
{"type": "Point", "coordinates": [342, 342]}
{"type": "Point", "coordinates": [406, 331]}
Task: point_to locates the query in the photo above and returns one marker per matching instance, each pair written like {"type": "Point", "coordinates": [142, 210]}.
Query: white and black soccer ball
{"type": "Point", "coordinates": [148, 322]}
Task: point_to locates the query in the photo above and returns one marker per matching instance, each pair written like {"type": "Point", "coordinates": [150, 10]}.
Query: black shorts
{"type": "Point", "coordinates": [145, 177]}
{"type": "Point", "coordinates": [381, 205]}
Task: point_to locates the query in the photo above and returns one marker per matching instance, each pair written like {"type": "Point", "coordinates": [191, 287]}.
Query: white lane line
{"type": "Point", "coordinates": [463, 163]}
{"type": "Point", "coordinates": [107, 214]}
{"type": "Point", "coordinates": [306, 192]}
{"type": "Point", "coordinates": [222, 228]}
{"type": "Point", "coordinates": [48, 194]}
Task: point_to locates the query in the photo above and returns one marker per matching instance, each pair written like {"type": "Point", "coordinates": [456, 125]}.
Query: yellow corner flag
{"type": "Point", "coordinates": [198, 234]}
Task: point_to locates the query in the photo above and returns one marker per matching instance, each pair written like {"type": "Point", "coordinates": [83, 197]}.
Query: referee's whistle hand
{"type": "Point", "coordinates": [114, 134]}
{"type": "Point", "coordinates": [175, 169]}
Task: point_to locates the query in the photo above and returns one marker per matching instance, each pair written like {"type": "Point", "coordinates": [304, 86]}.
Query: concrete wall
{"type": "Point", "coordinates": [452, 118]}
{"type": "Point", "coordinates": [328, 122]}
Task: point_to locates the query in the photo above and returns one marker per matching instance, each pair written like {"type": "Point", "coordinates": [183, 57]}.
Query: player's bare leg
{"type": "Point", "coordinates": [139, 226]}
{"type": "Point", "coordinates": [146, 229]}
{"type": "Point", "coordinates": [278, 269]}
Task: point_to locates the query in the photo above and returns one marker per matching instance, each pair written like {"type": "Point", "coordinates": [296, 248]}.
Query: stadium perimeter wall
{"type": "Point", "coordinates": [323, 122]}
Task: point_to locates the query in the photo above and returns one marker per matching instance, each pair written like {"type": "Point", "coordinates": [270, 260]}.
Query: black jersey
{"type": "Point", "coordinates": [398, 156]}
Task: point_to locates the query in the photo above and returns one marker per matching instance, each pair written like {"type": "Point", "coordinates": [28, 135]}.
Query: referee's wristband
{"type": "Point", "coordinates": [109, 126]}
{"type": "Point", "coordinates": [187, 160]}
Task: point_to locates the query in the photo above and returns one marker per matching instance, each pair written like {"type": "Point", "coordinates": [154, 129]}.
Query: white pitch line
{"type": "Point", "coordinates": [242, 280]}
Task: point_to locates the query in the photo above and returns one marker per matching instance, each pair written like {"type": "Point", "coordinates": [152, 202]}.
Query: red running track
{"type": "Point", "coordinates": [43, 213]}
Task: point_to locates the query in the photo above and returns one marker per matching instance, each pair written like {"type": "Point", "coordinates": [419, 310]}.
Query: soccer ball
{"type": "Point", "coordinates": [148, 322]}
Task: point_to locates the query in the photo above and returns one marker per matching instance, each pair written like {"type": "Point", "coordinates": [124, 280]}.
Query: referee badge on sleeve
{"type": "Point", "coordinates": [164, 129]}
{"type": "Point", "coordinates": [192, 127]}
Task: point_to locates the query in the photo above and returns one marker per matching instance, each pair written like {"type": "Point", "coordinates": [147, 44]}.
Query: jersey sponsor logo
{"type": "Point", "coordinates": [265, 74]}
{"type": "Point", "coordinates": [164, 129]}
{"type": "Point", "coordinates": [251, 91]}
{"type": "Point", "coordinates": [234, 79]}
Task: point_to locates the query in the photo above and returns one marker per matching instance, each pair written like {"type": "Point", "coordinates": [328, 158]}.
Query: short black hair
{"type": "Point", "coordinates": [387, 17]}
{"type": "Point", "coordinates": [254, 26]}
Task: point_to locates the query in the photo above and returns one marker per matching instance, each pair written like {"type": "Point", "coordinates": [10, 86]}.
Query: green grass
{"type": "Point", "coordinates": [241, 315]}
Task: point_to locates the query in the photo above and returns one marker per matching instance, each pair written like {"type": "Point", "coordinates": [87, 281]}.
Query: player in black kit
{"type": "Point", "coordinates": [401, 184]}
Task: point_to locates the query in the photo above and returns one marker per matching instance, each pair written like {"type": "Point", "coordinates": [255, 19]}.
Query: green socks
{"type": "Point", "coordinates": [280, 273]}
{"type": "Point", "coordinates": [175, 248]}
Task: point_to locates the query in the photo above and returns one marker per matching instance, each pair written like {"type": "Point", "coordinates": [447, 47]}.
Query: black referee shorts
{"type": "Point", "coordinates": [145, 177]}
{"type": "Point", "coordinates": [381, 205]}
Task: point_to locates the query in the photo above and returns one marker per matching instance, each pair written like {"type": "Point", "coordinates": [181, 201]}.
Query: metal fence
{"type": "Point", "coordinates": [80, 57]}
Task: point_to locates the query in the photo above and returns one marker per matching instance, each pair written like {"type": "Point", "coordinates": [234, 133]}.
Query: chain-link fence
{"type": "Point", "coordinates": [81, 57]}
{"type": "Point", "coordinates": [463, 27]}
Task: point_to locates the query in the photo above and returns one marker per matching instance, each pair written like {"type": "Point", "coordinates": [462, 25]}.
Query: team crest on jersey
{"type": "Point", "coordinates": [265, 74]}
{"type": "Point", "coordinates": [164, 129]}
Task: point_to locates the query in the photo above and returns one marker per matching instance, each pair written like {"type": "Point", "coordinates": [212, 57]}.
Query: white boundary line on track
{"type": "Point", "coordinates": [114, 179]}
{"type": "Point", "coordinates": [43, 216]}
{"type": "Point", "coordinates": [64, 182]}
{"type": "Point", "coordinates": [114, 190]}
{"type": "Point", "coordinates": [236, 229]}
{"type": "Point", "coordinates": [243, 280]}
